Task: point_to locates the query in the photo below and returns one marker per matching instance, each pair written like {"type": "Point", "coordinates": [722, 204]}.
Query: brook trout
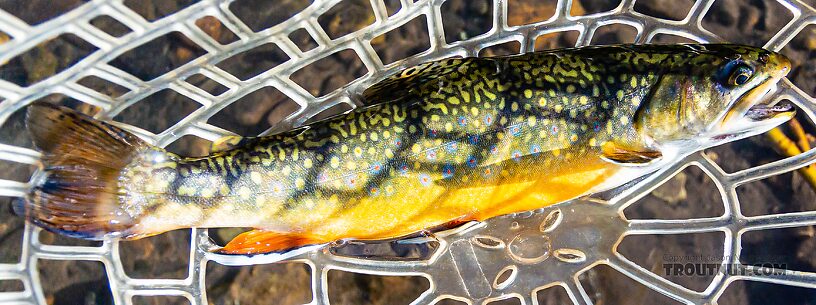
{"type": "Point", "coordinates": [444, 142]}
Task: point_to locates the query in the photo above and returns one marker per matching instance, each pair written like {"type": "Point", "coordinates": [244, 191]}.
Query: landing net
{"type": "Point", "coordinates": [508, 257]}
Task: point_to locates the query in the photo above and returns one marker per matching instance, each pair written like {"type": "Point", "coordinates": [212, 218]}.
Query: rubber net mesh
{"type": "Point", "coordinates": [475, 264]}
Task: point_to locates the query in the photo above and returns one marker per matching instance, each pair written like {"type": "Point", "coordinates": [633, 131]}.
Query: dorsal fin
{"type": "Point", "coordinates": [400, 85]}
{"type": "Point", "coordinates": [226, 143]}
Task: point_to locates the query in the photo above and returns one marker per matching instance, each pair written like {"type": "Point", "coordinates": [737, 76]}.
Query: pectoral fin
{"type": "Point", "coordinates": [262, 241]}
{"type": "Point", "coordinates": [627, 155]}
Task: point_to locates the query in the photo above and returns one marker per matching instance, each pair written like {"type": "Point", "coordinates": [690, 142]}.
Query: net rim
{"type": "Point", "coordinates": [733, 224]}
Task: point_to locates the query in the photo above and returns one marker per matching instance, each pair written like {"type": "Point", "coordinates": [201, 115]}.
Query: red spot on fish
{"type": "Point", "coordinates": [471, 161]}
{"type": "Point", "coordinates": [515, 130]}
{"type": "Point", "coordinates": [424, 179]}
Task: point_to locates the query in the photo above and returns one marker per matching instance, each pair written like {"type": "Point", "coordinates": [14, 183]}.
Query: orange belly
{"type": "Point", "coordinates": [415, 207]}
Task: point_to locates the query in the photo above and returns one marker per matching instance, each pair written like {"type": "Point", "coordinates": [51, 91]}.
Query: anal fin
{"type": "Point", "coordinates": [263, 241]}
{"type": "Point", "coordinates": [429, 234]}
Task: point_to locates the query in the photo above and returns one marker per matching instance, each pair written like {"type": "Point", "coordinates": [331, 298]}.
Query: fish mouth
{"type": "Point", "coordinates": [744, 119]}
{"type": "Point", "coordinates": [761, 112]}
{"type": "Point", "coordinates": [758, 108]}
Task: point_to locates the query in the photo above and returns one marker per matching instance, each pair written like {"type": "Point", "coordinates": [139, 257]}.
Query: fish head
{"type": "Point", "coordinates": [714, 93]}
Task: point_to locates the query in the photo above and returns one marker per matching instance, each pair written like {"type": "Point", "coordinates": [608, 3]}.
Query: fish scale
{"type": "Point", "coordinates": [445, 142]}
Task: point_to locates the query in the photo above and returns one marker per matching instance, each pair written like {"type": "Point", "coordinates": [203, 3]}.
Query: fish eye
{"type": "Point", "coordinates": [736, 73]}
{"type": "Point", "coordinates": [741, 75]}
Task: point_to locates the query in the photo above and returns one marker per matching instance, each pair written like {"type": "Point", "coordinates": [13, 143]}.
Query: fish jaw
{"type": "Point", "coordinates": [755, 119]}
{"type": "Point", "coordinates": [748, 127]}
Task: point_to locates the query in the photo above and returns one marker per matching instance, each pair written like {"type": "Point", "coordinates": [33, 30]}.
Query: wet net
{"type": "Point", "coordinates": [512, 257]}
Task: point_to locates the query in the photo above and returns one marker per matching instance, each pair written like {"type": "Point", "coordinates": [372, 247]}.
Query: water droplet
{"type": "Point", "coordinates": [515, 225]}
{"type": "Point", "coordinates": [529, 248]}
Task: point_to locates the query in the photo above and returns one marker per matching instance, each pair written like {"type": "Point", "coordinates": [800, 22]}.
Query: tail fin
{"type": "Point", "coordinates": [77, 193]}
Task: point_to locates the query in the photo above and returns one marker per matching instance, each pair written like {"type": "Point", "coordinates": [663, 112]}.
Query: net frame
{"type": "Point", "coordinates": [462, 267]}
